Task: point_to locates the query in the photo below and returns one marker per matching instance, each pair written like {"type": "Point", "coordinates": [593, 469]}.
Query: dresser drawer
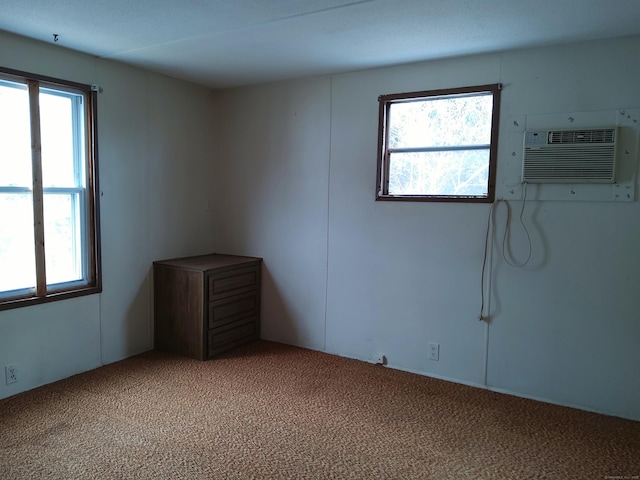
{"type": "Point", "coordinates": [230, 309]}
{"type": "Point", "coordinates": [233, 282]}
{"type": "Point", "coordinates": [222, 338]}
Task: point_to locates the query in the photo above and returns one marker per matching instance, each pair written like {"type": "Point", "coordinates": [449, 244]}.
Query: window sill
{"type": "Point", "coordinates": [25, 301]}
{"type": "Point", "coordinates": [433, 198]}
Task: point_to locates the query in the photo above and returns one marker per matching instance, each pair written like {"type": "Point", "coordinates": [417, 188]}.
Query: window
{"type": "Point", "coordinates": [49, 241]}
{"type": "Point", "coordinates": [439, 145]}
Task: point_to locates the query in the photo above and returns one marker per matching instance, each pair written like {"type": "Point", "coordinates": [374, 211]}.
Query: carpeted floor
{"type": "Point", "coordinates": [273, 411]}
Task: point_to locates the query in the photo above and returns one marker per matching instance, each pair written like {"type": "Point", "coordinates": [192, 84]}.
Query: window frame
{"type": "Point", "coordinates": [89, 206]}
{"type": "Point", "coordinates": [382, 175]}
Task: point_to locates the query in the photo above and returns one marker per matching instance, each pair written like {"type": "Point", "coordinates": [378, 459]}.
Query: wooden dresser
{"type": "Point", "coordinates": [207, 304]}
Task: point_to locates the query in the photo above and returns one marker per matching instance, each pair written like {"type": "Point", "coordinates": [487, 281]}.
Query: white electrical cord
{"type": "Point", "coordinates": [482, 316]}
{"type": "Point", "coordinates": [524, 227]}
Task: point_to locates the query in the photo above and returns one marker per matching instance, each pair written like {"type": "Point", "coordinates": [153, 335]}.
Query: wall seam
{"type": "Point", "coordinates": [487, 328]}
{"type": "Point", "coordinates": [150, 306]}
{"type": "Point", "coordinates": [326, 273]}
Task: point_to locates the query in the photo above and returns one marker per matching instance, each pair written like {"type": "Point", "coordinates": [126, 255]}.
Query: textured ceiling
{"type": "Point", "coordinates": [221, 43]}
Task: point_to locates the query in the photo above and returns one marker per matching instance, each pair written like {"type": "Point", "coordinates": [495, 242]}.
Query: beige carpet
{"type": "Point", "coordinates": [273, 411]}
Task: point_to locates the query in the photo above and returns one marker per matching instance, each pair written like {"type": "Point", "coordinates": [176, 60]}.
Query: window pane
{"type": "Point", "coordinates": [67, 222]}
{"type": "Point", "coordinates": [58, 139]}
{"type": "Point", "coordinates": [62, 238]}
{"type": "Point", "coordinates": [437, 122]}
{"type": "Point", "coordinates": [461, 173]}
{"type": "Point", "coordinates": [17, 262]}
{"type": "Point", "coordinates": [15, 135]}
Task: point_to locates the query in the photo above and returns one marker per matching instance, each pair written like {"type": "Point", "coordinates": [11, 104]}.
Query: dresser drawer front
{"type": "Point", "coordinates": [233, 281]}
{"type": "Point", "coordinates": [230, 309]}
{"type": "Point", "coordinates": [230, 335]}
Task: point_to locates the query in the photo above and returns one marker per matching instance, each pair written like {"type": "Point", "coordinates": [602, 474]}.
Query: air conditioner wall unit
{"type": "Point", "coordinates": [570, 156]}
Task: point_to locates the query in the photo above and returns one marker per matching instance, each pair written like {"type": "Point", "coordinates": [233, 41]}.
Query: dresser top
{"type": "Point", "coordinates": [208, 262]}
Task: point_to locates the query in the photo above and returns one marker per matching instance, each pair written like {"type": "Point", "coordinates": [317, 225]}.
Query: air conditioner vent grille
{"type": "Point", "coordinates": [569, 156]}
{"type": "Point", "coordinates": [605, 135]}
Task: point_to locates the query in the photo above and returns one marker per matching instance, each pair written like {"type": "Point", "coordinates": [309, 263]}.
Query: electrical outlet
{"type": "Point", "coordinates": [434, 351]}
{"type": "Point", "coordinates": [11, 373]}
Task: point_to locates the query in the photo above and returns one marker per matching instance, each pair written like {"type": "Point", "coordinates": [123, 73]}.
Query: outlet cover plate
{"type": "Point", "coordinates": [434, 351]}
{"type": "Point", "coordinates": [11, 374]}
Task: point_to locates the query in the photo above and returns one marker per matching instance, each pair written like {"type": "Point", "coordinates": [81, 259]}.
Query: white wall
{"type": "Point", "coordinates": [272, 183]}
{"type": "Point", "coordinates": [155, 165]}
{"type": "Point", "coordinates": [352, 276]}
{"type": "Point", "coordinates": [286, 171]}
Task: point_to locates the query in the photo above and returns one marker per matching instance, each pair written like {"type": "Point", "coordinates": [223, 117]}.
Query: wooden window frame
{"type": "Point", "coordinates": [92, 271]}
{"type": "Point", "coordinates": [382, 177]}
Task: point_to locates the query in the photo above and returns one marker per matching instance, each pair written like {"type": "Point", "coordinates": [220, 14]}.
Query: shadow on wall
{"type": "Point", "coordinates": [139, 318]}
{"type": "Point", "coordinates": [277, 320]}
